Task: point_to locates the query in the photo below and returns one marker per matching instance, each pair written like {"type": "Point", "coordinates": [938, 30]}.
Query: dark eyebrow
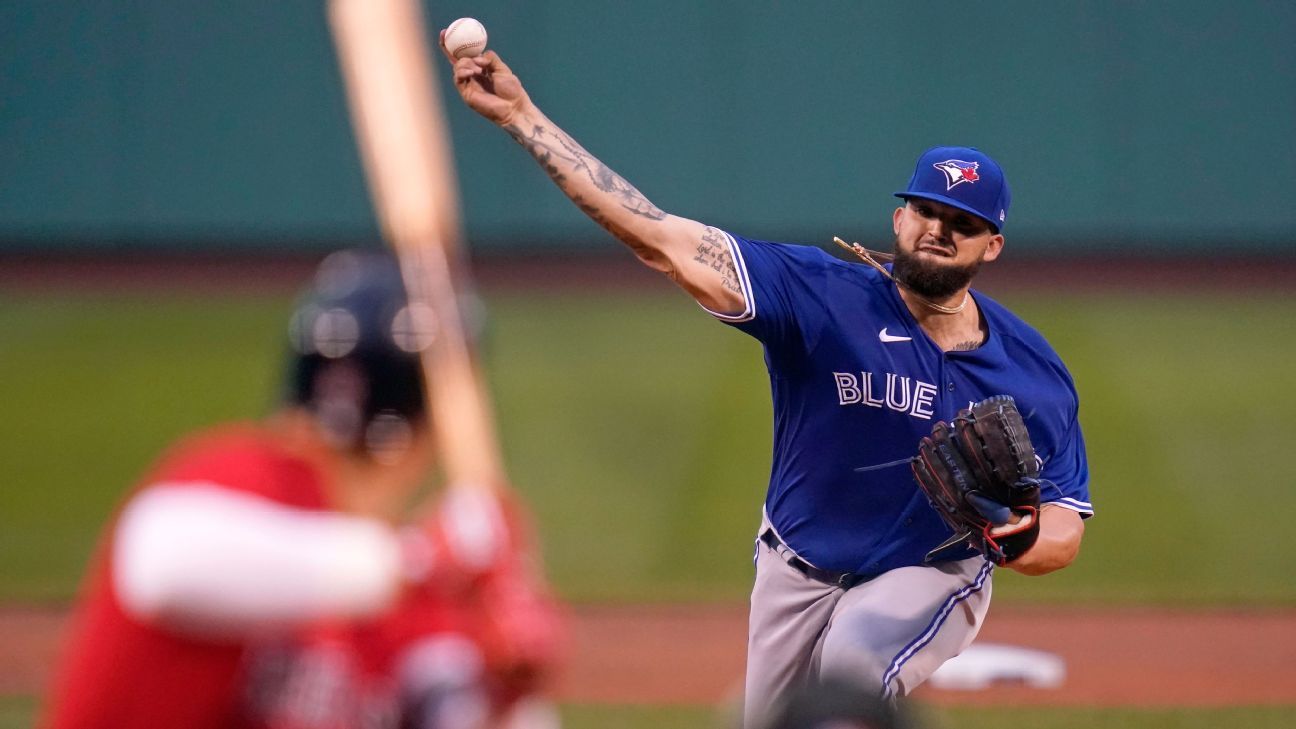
{"type": "Point", "coordinates": [968, 219]}
{"type": "Point", "coordinates": [955, 216]}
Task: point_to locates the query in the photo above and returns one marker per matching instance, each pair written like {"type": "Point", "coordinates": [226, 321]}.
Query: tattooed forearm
{"type": "Point", "coordinates": [696, 257]}
{"type": "Point", "coordinates": [560, 156]}
{"type": "Point", "coordinates": [713, 252]}
{"type": "Point", "coordinates": [610, 182]}
{"type": "Point", "coordinates": [542, 151]}
{"type": "Point", "coordinates": [598, 217]}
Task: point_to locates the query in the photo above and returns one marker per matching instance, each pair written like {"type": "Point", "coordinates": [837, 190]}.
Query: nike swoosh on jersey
{"type": "Point", "coordinates": [891, 337]}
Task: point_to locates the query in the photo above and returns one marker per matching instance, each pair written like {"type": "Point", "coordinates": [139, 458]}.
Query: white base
{"type": "Point", "coordinates": [985, 664]}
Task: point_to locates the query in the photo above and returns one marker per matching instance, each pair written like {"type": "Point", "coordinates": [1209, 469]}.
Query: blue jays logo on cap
{"type": "Point", "coordinates": [958, 171]}
{"type": "Point", "coordinates": [941, 172]}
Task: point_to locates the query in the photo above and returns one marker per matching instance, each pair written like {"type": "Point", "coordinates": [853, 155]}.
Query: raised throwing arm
{"type": "Point", "coordinates": [693, 255]}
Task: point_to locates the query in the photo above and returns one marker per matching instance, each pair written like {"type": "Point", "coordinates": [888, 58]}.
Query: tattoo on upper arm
{"type": "Point", "coordinates": [560, 155]}
{"type": "Point", "coordinates": [713, 252]}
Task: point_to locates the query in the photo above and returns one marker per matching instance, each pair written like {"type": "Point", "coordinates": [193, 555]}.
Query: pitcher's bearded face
{"type": "Point", "coordinates": [940, 248]}
{"type": "Point", "coordinates": [931, 278]}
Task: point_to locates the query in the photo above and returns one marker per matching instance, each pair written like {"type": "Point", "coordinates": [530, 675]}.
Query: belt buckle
{"type": "Point", "coordinates": [846, 581]}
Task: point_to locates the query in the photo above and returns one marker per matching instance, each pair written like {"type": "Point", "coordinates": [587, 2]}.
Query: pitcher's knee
{"type": "Point", "coordinates": [854, 662]}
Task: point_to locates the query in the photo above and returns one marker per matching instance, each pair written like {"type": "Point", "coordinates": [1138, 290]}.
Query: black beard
{"type": "Point", "coordinates": [931, 280]}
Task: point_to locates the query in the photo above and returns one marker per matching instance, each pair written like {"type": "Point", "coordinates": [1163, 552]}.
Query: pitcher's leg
{"type": "Point", "coordinates": [893, 632]}
{"type": "Point", "coordinates": [788, 614]}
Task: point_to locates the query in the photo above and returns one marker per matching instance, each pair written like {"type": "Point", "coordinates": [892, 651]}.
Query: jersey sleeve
{"type": "Point", "coordinates": [209, 560]}
{"type": "Point", "coordinates": [780, 284]}
{"type": "Point", "coordinates": [1067, 468]}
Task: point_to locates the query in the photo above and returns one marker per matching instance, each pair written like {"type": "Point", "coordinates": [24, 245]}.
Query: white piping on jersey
{"type": "Point", "coordinates": [1084, 507]}
{"type": "Point", "coordinates": [933, 628]}
{"type": "Point", "coordinates": [744, 282]}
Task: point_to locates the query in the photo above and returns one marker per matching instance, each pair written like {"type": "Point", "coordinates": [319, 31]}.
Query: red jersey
{"type": "Point", "coordinates": [348, 675]}
{"type": "Point", "coordinates": [121, 672]}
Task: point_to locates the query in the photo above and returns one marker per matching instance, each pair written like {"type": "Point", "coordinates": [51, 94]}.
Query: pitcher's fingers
{"type": "Point", "coordinates": [465, 68]}
{"type": "Point", "coordinates": [491, 61]}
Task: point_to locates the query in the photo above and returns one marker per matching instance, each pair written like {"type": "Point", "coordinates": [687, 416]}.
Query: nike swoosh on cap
{"type": "Point", "coordinates": [891, 337]}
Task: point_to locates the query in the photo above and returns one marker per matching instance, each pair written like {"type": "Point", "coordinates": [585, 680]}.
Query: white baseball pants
{"type": "Point", "coordinates": [893, 631]}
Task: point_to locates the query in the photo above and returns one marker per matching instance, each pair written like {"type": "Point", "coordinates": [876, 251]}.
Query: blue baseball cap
{"type": "Point", "coordinates": [965, 178]}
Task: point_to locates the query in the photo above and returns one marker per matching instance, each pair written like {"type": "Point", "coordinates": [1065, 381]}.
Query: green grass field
{"type": "Point", "coordinates": [18, 713]}
{"type": "Point", "coordinates": [639, 430]}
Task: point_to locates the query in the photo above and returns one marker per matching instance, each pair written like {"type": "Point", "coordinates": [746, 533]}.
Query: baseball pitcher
{"type": "Point", "coordinates": [923, 433]}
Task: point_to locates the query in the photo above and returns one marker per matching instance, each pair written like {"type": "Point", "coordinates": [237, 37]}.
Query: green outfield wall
{"type": "Point", "coordinates": [1131, 125]}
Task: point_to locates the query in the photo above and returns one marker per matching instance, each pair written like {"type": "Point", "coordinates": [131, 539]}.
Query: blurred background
{"type": "Point", "coordinates": [169, 172]}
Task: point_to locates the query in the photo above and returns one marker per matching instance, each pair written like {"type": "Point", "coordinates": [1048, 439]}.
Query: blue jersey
{"type": "Point", "coordinates": [856, 382]}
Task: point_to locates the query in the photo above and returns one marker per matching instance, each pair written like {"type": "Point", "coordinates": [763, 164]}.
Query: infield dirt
{"type": "Point", "coordinates": [693, 654]}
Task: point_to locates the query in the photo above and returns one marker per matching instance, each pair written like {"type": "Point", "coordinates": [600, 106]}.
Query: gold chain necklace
{"type": "Point", "coordinates": [867, 256]}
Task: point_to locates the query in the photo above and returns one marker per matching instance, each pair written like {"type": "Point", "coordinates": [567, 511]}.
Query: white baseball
{"type": "Point", "coordinates": [465, 37]}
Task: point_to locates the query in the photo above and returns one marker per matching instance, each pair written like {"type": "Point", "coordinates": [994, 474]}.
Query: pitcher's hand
{"type": "Point", "coordinates": [487, 86]}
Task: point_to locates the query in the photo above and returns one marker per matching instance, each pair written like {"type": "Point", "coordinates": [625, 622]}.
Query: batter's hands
{"type": "Point", "coordinates": [464, 536]}
{"type": "Point", "coordinates": [487, 85]}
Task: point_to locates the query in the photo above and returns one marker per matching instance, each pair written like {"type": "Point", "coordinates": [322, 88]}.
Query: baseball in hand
{"type": "Point", "coordinates": [465, 37]}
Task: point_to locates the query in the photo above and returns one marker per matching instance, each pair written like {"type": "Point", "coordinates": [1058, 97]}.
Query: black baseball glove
{"type": "Point", "coordinates": [980, 474]}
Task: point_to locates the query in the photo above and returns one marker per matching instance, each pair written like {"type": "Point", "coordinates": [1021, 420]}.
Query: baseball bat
{"type": "Point", "coordinates": [404, 144]}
